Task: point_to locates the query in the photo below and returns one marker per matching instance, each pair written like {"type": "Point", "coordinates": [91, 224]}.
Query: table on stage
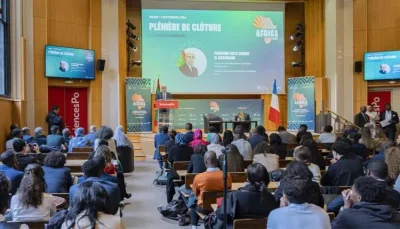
{"type": "Point", "coordinates": [236, 123]}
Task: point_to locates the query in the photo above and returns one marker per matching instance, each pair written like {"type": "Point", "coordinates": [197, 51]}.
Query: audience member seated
{"type": "Point", "coordinates": [104, 176]}
{"type": "Point", "coordinates": [286, 137]}
{"type": "Point", "coordinates": [316, 156]}
{"type": "Point", "coordinates": [188, 137]}
{"type": "Point", "coordinates": [378, 170]}
{"type": "Point", "coordinates": [215, 144]}
{"type": "Point", "coordinates": [392, 159]}
{"type": "Point", "coordinates": [12, 127]}
{"type": "Point", "coordinates": [198, 139]}
{"type": "Point", "coordinates": [252, 132]}
{"type": "Point", "coordinates": [210, 180]}
{"type": "Point", "coordinates": [383, 149]}
{"type": "Point", "coordinates": [303, 154]}
{"type": "Point", "coordinates": [357, 148]}
{"type": "Point", "coordinates": [55, 139]}
{"type": "Point", "coordinates": [16, 135]}
{"type": "Point", "coordinates": [240, 130]}
{"type": "Point", "coordinates": [345, 167]}
{"type": "Point", "coordinates": [121, 139]}
{"type": "Point", "coordinates": [91, 136]}
{"type": "Point", "coordinates": [40, 138]}
{"type": "Point", "coordinates": [251, 201]}
{"type": "Point", "coordinates": [31, 203]}
{"type": "Point", "coordinates": [10, 162]}
{"type": "Point", "coordinates": [303, 131]}
{"type": "Point", "coordinates": [227, 138]}
{"type": "Point", "coordinates": [21, 149]}
{"type": "Point", "coordinates": [327, 136]}
{"type": "Point", "coordinates": [26, 135]}
{"type": "Point", "coordinates": [79, 140]}
{"type": "Point", "coordinates": [212, 130]}
{"type": "Point", "coordinates": [92, 172]}
{"type": "Point", "coordinates": [66, 133]}
{"type": "Point", "coordinates": [196, 163]}
{"type": "Point", "coordinates": [295, 208]}
{"type": "Point", "coordinates": [160, 139]}
{"type": "Point", "coordinates": [363, 207]}
{"type": "Point", "coordinates": [264, 155]}
{"type": "Point", "coordinates": [58, 178]}
{"type": "Point", "coordinates": [349, 129]}
{"type": "Point", "coordinates": [234, 158]}
{"type": "Point", "coordinates": [277, 147]}
{"type": "Point", "coordinates": [258, 137]}
{"type": "Point", "coordinates": [106, 133]}
{"type": "Point", "coordinates": [4, 202]}
{"type": "Point", "coordinates": [171, 142]}
{"type": "Point", "coordinates": [90, 208]}
{"type": "Point", "coordinates": [243, 145]}
{"type": "Point", "coordinates": [366, 139]}
{"type": "Point", "coordinates": [105, 152]}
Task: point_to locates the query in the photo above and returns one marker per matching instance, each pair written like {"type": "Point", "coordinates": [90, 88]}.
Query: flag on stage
{"type": "Point", "coordinates": [158, 90]}
{"type": "Point", "coordinates": [274, 113]}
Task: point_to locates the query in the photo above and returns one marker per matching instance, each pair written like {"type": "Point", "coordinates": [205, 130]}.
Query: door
{"type": "Point", "coordinates": [73, 103]}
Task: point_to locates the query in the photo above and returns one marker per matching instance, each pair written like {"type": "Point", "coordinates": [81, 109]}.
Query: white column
{"type": "Point", "coordinates": [110, 75]}
{"type": "Point", "coordinates": [339, 55]}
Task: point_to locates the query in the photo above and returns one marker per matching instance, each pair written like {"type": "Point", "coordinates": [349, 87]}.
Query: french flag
{"type": "Point", "coordinates": [274, 113]}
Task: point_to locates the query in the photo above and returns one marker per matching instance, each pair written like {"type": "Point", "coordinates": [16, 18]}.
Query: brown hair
{"type": "Point", "coordinates": [302, 153]}
{"type": "Point", "coordinates": [392, 159]}
{"type": "Point", "coordinates": [263, 148]}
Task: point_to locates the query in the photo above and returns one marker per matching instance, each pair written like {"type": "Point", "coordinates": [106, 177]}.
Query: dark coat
{"type": "Point", "coordinates": [196, 164]}
{"type": "Point", "coordinates": [187, 72]}
{"type": "Point", "coordinates": [58, 180]}
{"type": "Point", "coordinates": [280, 150]}
{"type": "Point", "coordinates": [344, 171]}
{"type": "Point", "coordinates": [361, 150]}
{"type": "Point", "coordinates": [255, 139]}
{"type": "Point", "coordinates": [300, 134]}
{"type": "Point", "coordinates": [315, 196]}
{"type": "Point", "coordinates": [25, 160]}
{"type": "Point", "coordinates": [54, 119]}
{"type": "Point", "coordinates": [159, 96]}
{"type": "Point", "coordinates": [180, 153]}
{"type": "Point", "coordinates": [40, 140]}
{"type": "Point", "coordinates": [361, 119]}
{"type": "Point", "coordinates": [169, 144]}
{"type": "Point", "coordinates": [188, 137]}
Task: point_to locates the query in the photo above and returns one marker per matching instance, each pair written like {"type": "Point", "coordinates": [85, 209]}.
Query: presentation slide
{"type": "Point", "coordinates": [382, 65]}
{"type": "Point", "coordinates": [214, 52]}
{"type": "Point", "coordinates": [70, 63]}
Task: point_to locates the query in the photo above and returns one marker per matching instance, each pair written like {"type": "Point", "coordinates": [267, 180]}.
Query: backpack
{"type": "Point", "coordinates": [161, 178]}
{"type": "Point", "coordinates": [174, 210]}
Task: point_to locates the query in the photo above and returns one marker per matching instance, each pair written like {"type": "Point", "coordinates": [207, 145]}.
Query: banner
{"type": "Point", "coordinates": [193, 111]}
{"type": "Point", "coordinates": [378, 99]}
{"type": "Point", "coordinates": [138, 105]}
{"type": "Point", "coordinates": [301, 103]}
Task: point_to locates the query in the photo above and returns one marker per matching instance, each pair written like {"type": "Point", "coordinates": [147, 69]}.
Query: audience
{"type": "Point", "coordinates": [26, 135]}
{"type": "Point", "coordinates": [345, 167]}
{"type": "Point", "coordinates": [180, 152]}
{"type": "Point", "coordinates": [8, 167]}
{"type": "Point", "coordinates": [286, 137]}
{"type": "Point", "coordinates": [16, 134]}
{"type": "Point", "coordinates": [227, 138]}
{"type": "Point", "coordinates": [79, 140]}
{"type": "Point", "coordinates": [106, 133]}
{"type": "Point", "coordinates": [298, 170]}
{"type": "Point", "coordinates": [12, 127]}
{"type": "Point", "coordinates": [251, 201]}
{"type": "Point", "coordinates": [198, 139]}
{"type": "Point", "coordinates": [392, 159]}
{"type": "Point", "coordinates": [55, 139]}
{"type": "Point", "coordinates": [349, 129]}
{"type": "Point", "coordinates": [277, 147]}
{"type": "Point", "coordinates": [363, 207]}
{"type": "Point", "coordinates": [366, 139]}
{"type": "Point", "coordinates": [215, 144]}
{"type": "Point", "coordinates": [4, 203]}
{"type": "Point", "coordinates": [303, 131]}
{"type": "Point", "coordinates": [327, 136]}
{"type": "Point", "coordinates": [40, 138]}
{"type": "Point", "coordinates": [316, 156]}
{"type": "Point", "coordinates": [91, 136]}
{"type": "Point", "coordinates": [196, 163]}
{"type": "Point", "coordinates": [243, 145]}
{"type": "Point", "coordinates": [21, 150]}
{"type": "Point", "coordinates": [295, 210]}
{"type": "Point", "coordinates": [210, 180]}
{"type": "Point", "coordinates": [234, 158]}
{"type": "Point", "coordinates": [160, 139]}
{"type": "Point", "coordinates": [383, 149]}
{"type": "Point", "coordinates": [106, 153]}
{"type": "Point", "coordinates": [66, 133]}
{"type": "Point", "coordinates": [58, 178]}
{"type": "Point", "coordinates": [188, 137]}
{"type": "Point", "coordinates": [379, 136]}
{"type": "Point", "coordinates": [258, 137]}
{"type": "Point", "coordinates": [101, 161]}
{"type": "Point", "coordinates": [212, 130]}
{"type": "Point", "coordinates": [121, 139]}
{"type": "Point", "coordinates": [357, 148]}
{"type": "Point", "coordinates": [171, 142]}
{"type": "Point", "coordinates": [252, 132]}
{"type": "Point", "coordinates": [92, 173]}
{"type": "Point", "coordinates": [264, 155]}
{"type": "Point", "coordinates": [31, 203]}
{"type": "Point", "coordinates": [303, 154]}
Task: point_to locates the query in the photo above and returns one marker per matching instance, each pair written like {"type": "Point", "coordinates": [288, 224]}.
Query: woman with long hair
{"type": "Point", "coordinates": [366, 138]}
{"type": "Point", "coordinates": [303, 154]}
{"type": "Point", "coordinates": [276, 145]}
{"type": "Point", "coordinates": [106, 133]}
{"type": "Point", "coordinates": [227, 138]}
{"type": "Point", "coordinates": [392, 159]}
{"type": "Point", "coordinates": [264, 154]}
{"type": "Point", "coordinates": [31, 203]}
{"type": "Point", "coordinates": [316, 156]}
{"type": "Point", "coordinates": [380, 136]}
{"type": "Point", "coordinates": [235, 159]}
{"type": "Point", "coordinates": [87, 210]}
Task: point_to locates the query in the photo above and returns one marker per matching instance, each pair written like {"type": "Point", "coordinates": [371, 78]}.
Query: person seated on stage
{"type": "Point", "coordinates": [215, 144]}
{"type": "Point", "coordinates": [57, 176]}
{"type": "Point", "coordinates": [189, 133]}
{"type": "Point", "coordinates": [26, 135]}
{"type": "Point", "coordinates": [327, 136]}
{"type": "Point", "coordinates": [210, 180]}
{"type": "Point", "coordinates": [302, 131]}
{"type": "Point", "coordinates": [196, 163]}
{"type": "Point", "coordinates": [345, 167]}
{"type": "Point", "coordinates": [364, 207]}
{"type": "Point", "coordinates": [21, 150]}
{"type": "Point", "coordinates": [55, 139]}
{"type": "Point", "coordinates": [171, 142]}
{"type": "Point", "coordinates": [198, 139]}
{"type": "Point", "coordinates": [16, 134]}
{"type": "Point", "coordinates": [357, 148]}
{"type": "Point", "coordinates": [251, 201]}
{"type": "Point", "coordinates": [295, 209]}
{"type": "Point", "coordinates": [264, 155]}
{"type": "Point", "coordinates": [243, 145]}
{"type": "Point", "coordinates": [160, 139]}
{"type": "Point", "coordinates": [303, 154]}
{"type": "Point", "coordinates": [40, 138]}
{"type": "Point", "coordinates": [277, 147]}
{"type": "Point", "coordinates": [379, 170]}
{"type": "Point", "coordinates": [234, 158]}
{"type": "Point", "coordinates": [92, 172]}
{"type": "Point", "coordinates": [10, 162]}
{"type": "Point", "coordinates": [79, 140]}
{"type": "Point", "coordinates": [91, 136]}
{"type": "Point", "coordinates": [287, 138]}
{"type": "Point", "coordinates": [258, 137]}
{"type": "Point", "coordinates": [227, 138]}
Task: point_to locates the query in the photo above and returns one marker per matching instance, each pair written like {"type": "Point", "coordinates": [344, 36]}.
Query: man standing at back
{"type": "Point", "coordinates": [392, 118]}
{"type": "Point", "coordinates": [210, 180]}
{"type": "Point", "coordinates": [53, 118]}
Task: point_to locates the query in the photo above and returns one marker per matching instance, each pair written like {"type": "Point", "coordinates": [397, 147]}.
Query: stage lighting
{"type": "Point", "coordinates": [136, 62]}
{"type": "Point", "coordinates": [131, 35]}
{"type": "Point", "coordinates": [298, 46]}
{"type": "Point", "coordinates": [130, 25]}
{"type": "Point", "coordinates": [131, 45]}
{"type": "Point", "coordinates": [297, 64]}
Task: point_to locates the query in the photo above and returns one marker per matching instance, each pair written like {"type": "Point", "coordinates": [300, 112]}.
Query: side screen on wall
{"type": "Point", "coordinates": [382, 65]}
{"type": "Point", "coordinates": [70, 63]}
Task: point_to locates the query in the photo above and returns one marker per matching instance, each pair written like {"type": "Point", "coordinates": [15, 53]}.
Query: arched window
{"type": "Point", "coordinates": [5, 48]}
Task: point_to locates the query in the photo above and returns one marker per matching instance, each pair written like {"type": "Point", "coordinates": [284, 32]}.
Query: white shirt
{"type": "Point", "coordinates": [316, 172]}
{"type": "Point", "coordinates": [270, 162]}
{"type": "Point", "coordinates": [217, 148]}
{"type": "Point", "coordinates": [327, 138]}
{"type": "Point", "coordinates": [42, 213]}
{"type": "Point", "coordinates": [244, 148]}
{"type": "Point", "coordinates": [388, 115]}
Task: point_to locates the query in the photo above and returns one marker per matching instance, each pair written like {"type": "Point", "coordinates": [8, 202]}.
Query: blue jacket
{"type": "Point", "coordinates": [91, 137]}
{"type": "Point", "coordinates": [40, 140]}
{"type": "Point", "coordinates": [188, 137]}
{"type": "Point", "coordinates": [104, 177]}
{"type": "Point", "coordinates": [159, 139]}
{"type": "Point", "coordinates": [28, 139]}
{"type": "Point", "coordinates": [112, 191]}
{"type": "Point", "coordinates": [14, 175]}
{"type": "Point", "coordinates": [58, 180]}
{"type": "Point", "coordinates": [255, 139]}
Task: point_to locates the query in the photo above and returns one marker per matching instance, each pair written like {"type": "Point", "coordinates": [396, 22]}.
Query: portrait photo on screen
{"type": "Point", "coordinates": [192, 62]}
{"type": "Point", "coordinates": [382, 65]}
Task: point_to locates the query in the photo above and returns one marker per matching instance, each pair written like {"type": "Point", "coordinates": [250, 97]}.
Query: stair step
{"type": "Point", "coordinates": [139, 157]}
